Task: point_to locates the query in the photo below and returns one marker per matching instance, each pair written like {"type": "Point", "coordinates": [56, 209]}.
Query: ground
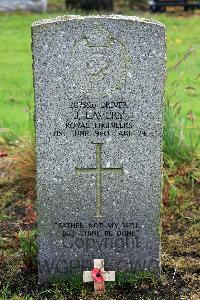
{"type": "Point", "coordinates": [180, 277]}
{"type": "Point", "coordinates": [180, 249]}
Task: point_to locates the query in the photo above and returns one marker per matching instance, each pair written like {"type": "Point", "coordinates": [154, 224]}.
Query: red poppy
{"type": "Point", "coordinates": [3, 154]}
{"type": "Point", "coordinates": [97, 275]}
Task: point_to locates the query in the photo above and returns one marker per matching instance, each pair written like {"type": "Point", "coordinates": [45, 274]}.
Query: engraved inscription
{"type": "Point", "coordinates": [98, 66]}
{"type": "Point", "coordinates": [99, 235]}
{"type": "Point", "coordinates": [92, 67]}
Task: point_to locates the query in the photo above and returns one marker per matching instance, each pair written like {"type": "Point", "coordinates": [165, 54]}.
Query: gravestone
{"type": "Point", "coordinates": [99, 86]}
{"type": "Point", "coordinates": [26, 5]}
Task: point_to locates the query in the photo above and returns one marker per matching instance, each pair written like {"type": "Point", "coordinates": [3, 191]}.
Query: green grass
{"type": "Point", "coordinates": [16, 91]}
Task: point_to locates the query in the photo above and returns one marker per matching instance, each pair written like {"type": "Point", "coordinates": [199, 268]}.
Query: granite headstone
{"type": "Point", "coordinates": [99, 88]}
{"type": "Point", "coordinates": [26, 5]}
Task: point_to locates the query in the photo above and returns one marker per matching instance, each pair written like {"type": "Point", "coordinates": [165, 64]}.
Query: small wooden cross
{"type": "Point", "coordinates": [99, 287]}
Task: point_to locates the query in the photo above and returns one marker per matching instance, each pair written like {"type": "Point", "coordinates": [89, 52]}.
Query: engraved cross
{"type": "Point", "coordinates": [98, 171]}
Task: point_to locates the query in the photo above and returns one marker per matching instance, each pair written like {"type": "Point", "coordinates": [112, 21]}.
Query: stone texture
{"type": "Point", "coordinates": [27, 5]}
{"type": "Point", "coordinates": [99, 86]}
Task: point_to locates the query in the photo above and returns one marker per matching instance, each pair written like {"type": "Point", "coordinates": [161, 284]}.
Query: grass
{"type": "Point", "coordinates": [16, 91]}
{"type": "Point", "coordinates": [181, 141]}
{"type": "Point", "coordinates": [18, 277]}
{"type": "Point", "coordinates": [180, 253]}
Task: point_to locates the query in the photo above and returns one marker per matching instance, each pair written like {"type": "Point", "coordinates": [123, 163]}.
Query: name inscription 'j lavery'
{"type": "Point", "coordinates": [98, 171]}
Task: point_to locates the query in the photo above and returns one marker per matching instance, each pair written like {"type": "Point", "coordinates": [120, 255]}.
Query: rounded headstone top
{"type": "Point", "coordinates": [68, 18]}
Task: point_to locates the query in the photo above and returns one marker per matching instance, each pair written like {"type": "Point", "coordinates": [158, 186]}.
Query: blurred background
{"type": "Point", "coordinates": [182, 20]}
{"type": "Point", "coordinates": [181, 148]}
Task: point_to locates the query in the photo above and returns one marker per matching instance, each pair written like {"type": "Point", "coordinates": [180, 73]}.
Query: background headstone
{"type": "Point", "coordinates": [26, 5]}
{"type": "Point", "coordinates": [99, 86]}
